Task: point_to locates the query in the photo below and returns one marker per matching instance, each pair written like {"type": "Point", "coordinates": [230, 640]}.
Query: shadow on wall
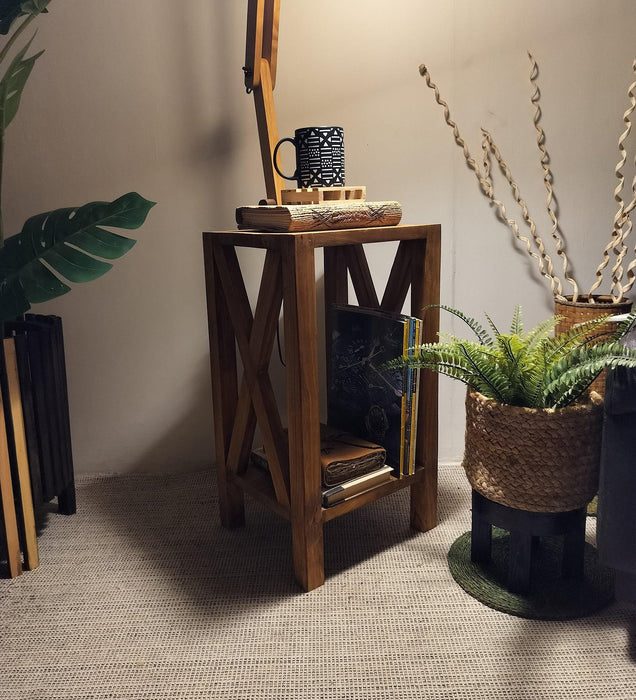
{"type": "Point", "coordinates": [187, 443]}
{"type": "Point", "coordinates": [208, 140]}
{"type": "Point", "coordinates": [211, 146]}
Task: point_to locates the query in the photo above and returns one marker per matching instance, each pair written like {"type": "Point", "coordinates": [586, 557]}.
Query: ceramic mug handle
{"type": "Point", "coordinates": [274, 159]}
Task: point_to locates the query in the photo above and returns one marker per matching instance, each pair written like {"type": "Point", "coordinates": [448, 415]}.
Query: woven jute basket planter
{"type": "Point", "coordinates": [574, 312]}
{"type": "Point", "coordinates": [542, 460]}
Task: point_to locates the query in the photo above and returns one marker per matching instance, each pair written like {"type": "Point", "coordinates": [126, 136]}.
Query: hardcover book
{"type": "Point", "coordinates": [364, 397]}
{"type": "Point", "coordinates": [354, 487]}
{"type": "Point", "coordinates": [318, 217]}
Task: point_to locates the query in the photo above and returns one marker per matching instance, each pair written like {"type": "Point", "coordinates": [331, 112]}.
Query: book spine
{"type": "Point", "coordinates": [408, 388]}
{"type": "Point", "coordinates": [414, 397]}
{"type": "Point", "coordinates": [405, 398]}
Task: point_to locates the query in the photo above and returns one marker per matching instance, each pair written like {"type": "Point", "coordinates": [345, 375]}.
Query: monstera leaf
{"type": "Point", "coordinates": [10, 10]}
{"type": "Point", "coordinates": [71, 243]}
{"type": "Point", "coordinates": [13, 83]}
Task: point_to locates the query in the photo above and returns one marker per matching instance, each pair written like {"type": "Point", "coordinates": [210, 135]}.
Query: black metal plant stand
{"type": "Point", "coordinates": [525, 528]}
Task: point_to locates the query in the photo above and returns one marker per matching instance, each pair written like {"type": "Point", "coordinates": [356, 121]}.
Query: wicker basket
{"type": "Point", "coordinates": [574, 312]}
{"type": "Point", "coordinates": [541, 460]}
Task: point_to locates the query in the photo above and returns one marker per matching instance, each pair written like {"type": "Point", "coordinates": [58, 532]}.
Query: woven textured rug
{"type": "Point", "coordinates": [143, 596]}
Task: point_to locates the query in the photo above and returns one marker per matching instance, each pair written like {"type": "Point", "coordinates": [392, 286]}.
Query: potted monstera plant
{"type": "Point", "coordinates": [533, 428]}
{"type": "Point", "coordinates": [71, 244]}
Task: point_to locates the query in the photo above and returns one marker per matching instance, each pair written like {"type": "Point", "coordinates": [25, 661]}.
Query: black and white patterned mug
{"type": "Point", "coordinates": [319, 156]}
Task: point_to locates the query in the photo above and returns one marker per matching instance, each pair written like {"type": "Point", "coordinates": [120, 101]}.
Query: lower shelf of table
{"type": "Point", "coordinates": [257, 484]}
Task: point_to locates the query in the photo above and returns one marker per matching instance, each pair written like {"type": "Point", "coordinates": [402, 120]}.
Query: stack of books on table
{"type": "Point", "coordinates": [366, 398]}
{"type": "Point", "coordinates": [349, 465]}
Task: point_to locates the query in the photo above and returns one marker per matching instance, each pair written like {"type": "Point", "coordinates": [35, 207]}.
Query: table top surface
{"type": "Point", "coordinates": [320, 239]}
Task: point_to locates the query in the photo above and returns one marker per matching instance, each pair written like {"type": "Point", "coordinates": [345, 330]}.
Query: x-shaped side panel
{"type": "Point", "coordinates": [399, 280]}
{"type": "Point", "coordinates": [255, 337]}
{"type": "Point", "coordinates": [397, 285]}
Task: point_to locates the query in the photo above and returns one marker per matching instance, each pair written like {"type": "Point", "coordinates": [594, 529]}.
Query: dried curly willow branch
{"type": "Point", "coordinates": [485, 159]}
{"type": "Point", "coordinates": [628, 209]}
{"type": "Point", "coordinates": [617, 244]}
{"type": "Point", "coordinates": [485, 183]}
{"type": "Point", "coordinates": [555, 283]}
{"type": "Point", "coordinates": [547, 178]}
{"type": "Point", "coordinates": [625, 223]}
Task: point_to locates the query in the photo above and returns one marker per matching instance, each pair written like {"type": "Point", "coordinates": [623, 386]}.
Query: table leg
{"type": "Point", "coordinates": [519, 561]}
{"type": "Point", "coordinates": [301, 353]}
{"type": "Point", "coordinates": [66, 500]}
{"type": "Point", "coordinates": [481, 538]}
{"type": "Point", "coordinates": [574, 548]}
{"type": "Point", "coordinates": [224, 389]}
{"type": "Point", "coordinates": [424, 497]}
{"type": "Point", "coordinates": [425, 280]}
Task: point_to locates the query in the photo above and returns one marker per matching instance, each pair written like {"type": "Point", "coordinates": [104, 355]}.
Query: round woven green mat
{"type": "Point", "coordinates": [550, 597]}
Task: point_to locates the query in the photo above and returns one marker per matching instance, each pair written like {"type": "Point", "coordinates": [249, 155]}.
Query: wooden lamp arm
{"type": "Point", "coordinates": [261, 41]}
{"type": "Point", "coordinates": [270, 36]}
{"type": "Point", "coordinates": [254, 43]}
{"type": "Point", "coordinates": [261, 52]}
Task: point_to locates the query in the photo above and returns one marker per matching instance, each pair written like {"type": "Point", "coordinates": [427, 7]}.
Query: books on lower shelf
{"type": "Point", "coordinates": [363, 396]}
{"type": "Point", "coordinates": [354, 487]}
{"type": "Point", "coordinates": [342, 456]}
{"type": "Point", "coordinates": [349, 465]}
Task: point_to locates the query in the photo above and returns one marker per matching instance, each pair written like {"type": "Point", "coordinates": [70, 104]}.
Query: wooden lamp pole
{"type": "Point", "coordinates": [260, 79]}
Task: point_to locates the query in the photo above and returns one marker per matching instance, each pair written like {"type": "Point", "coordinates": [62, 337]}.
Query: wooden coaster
{"type": "Point", "coordinates": [324, 195]}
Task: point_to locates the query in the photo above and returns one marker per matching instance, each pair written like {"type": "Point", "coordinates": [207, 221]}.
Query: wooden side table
{"type": "Point", "coordinates": [292, 488]}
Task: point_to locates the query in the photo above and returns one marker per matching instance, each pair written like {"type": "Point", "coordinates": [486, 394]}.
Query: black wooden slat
{"type": "Point", "coordinates": [41, 408]}
{"type": "Point", "coordinates": [52, 401]}
{"type": "Point", "coordinates": [66, 496]}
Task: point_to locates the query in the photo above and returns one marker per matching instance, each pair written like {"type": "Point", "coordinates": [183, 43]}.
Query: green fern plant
{"type": "Point", "coordinates": [535, 369]}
